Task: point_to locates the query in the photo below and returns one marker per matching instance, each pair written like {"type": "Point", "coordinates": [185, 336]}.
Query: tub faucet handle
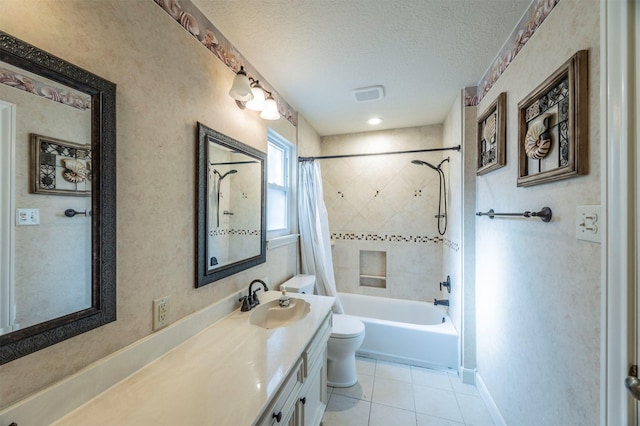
{"type": "Point", "coordinates": [446, 284]}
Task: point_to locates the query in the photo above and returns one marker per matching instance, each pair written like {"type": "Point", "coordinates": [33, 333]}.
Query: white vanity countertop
{"type": "Point", "coordinates": [223, 376]}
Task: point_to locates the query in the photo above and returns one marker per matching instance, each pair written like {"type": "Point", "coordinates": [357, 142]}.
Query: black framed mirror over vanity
{"type": "Point", "coordinates": [57, 199]}
{"type": "Point", "coordinates": [231, 228]}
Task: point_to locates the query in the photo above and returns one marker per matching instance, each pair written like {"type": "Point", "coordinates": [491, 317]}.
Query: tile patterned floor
{"type": "Point", "coordinates": [393, 394]}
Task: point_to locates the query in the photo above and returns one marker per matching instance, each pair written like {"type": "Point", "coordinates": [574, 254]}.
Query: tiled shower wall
{"type": "Point", "coordinates": [385, 204]}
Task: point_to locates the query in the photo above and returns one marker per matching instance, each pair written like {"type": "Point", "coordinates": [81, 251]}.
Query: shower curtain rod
{"type": "Point", "coordinates": [326, 157]}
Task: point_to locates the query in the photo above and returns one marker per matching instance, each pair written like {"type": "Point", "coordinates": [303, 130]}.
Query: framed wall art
{"type": "Point", "coordinates": [553, 126]}
{"type": "Point", "coordinates": [60, 167]}
{"type": "Point", "coordinates": [492, 131]}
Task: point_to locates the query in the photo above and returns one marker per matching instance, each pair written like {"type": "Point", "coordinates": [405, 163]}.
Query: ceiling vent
{"type": "Point", "coordinates": [367, 94]}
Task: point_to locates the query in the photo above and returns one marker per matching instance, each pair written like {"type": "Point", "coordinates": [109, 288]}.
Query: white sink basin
{"type": "Point", "coordinates": [271, 315]}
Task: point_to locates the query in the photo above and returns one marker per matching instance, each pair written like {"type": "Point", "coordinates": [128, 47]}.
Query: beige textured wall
{"type": "Point", "coordinates": [385, 197]}
{"type": "Point", "coordinates": [166, 83]}
{"type": "Point", "coordinates": [538, 288]}
{"type": "Point", "coordinates": [308, 139]}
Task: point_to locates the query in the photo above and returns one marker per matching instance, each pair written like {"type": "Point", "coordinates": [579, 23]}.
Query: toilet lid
{"type": "Point", "coordinates": [345, 326]}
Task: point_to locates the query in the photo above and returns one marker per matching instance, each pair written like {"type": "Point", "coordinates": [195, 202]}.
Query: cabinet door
{"type": "Point", "coordinates": [313, 397]}
{"type": "Point", "coordinates": [284, 409]}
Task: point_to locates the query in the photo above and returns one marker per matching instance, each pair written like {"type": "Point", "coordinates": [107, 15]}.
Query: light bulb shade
{"type": "Point", "coordinates": [270, 111]}
{"type": "Point", "coordinates": [258, 101]}
{"type": "Point", "coordinates": [241, 88]}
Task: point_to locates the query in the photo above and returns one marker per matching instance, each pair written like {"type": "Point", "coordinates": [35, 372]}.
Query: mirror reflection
{"type": "Point", "coordinates": [48, 173]}
{"type": "Point", "coordinates": [231, 208]}
{"type": "Point", "coordinates": [57, 200]}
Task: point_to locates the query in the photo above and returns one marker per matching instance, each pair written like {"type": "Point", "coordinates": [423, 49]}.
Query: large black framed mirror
{"type": "Point", "coordinates": [58, 252]}
{"type": "Point", "coordinates": [231, 229]}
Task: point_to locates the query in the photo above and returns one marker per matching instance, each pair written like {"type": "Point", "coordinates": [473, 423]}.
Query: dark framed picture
{"type": "Point", "coordinates": [553, 126]}
{"type": "Point", "coordinates": [492, 131]}
{"type": "Point", "coordinates": [60, 167]}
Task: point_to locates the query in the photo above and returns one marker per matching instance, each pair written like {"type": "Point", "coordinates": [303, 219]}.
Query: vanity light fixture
{"type": "Point", "coordinates": [241, 88]}
{"type": "Point", "coordinates": [258, 101]}
{"type": "Point", "coordinates": [249, 93]}
{"type": "Point", "coordinates": [270, 111]}
{"type": "Point", "coordinates": [374, 121]}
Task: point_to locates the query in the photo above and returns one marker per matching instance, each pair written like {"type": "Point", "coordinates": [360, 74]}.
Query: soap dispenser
{"type": "Point", "coordinates": [284, 299]}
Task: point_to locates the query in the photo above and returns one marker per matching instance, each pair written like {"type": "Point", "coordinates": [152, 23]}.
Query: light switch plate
{"type": "Point", "coordinates": [588, 223]}
{"type": "Point", "coordinates": [27, 217]}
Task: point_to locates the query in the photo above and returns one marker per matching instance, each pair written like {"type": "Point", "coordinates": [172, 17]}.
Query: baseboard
{"type": "Point", "coordinates": [489, 402]}
{"type": "Point", "coordinates": [56, 401]}
{"type": "Point", "coordinates": [468, 375]}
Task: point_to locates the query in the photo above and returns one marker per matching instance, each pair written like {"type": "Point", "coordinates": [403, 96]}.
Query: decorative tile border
{"type": "Point", "coordinates": [198, 25]}
{"type": "Point", "coordinates": [221, 232]}
{"type": "Point", "coordinates": [528, 25]}
{"type": "Point", "coordinates": [21, 80]}
{"type": "Point", "coordinates": [452, 245]}
{"type": "Point", "coordinates": [393, 238]}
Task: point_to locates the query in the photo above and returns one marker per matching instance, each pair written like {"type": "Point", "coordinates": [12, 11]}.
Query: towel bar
{"type": "Point", "coordinates": [544, 214]}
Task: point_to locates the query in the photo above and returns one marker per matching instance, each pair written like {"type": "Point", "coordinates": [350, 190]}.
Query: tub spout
{"type": "Point", "coordinates": [440, 302]}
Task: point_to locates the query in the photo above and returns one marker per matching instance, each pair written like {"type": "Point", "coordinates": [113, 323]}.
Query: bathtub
{"type": "Point", "coordinates": [406, 331]}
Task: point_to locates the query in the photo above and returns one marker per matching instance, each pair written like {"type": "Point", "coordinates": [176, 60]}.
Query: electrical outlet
{"type": "Point", "coordinates": [160, 313]}
{"type": "Point", "coordinates": [588, 223]}
{"type": "Point", "coordinates": [26, 217]}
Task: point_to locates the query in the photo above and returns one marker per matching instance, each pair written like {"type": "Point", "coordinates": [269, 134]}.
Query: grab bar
{"type": "Point", "coordinates": [544, 214]}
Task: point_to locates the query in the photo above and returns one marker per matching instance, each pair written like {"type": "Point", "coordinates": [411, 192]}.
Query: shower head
{"type": "Point", "coordinates": [424, 163]}
{"type": "Point", "coordinates": [230, 172]}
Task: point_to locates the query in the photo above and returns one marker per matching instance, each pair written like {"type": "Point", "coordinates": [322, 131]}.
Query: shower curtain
{"type": "Point", "coordinates": [314, 232]}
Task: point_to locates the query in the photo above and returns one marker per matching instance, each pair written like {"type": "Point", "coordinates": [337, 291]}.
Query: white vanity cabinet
{"type": "Point", "coordinates": [302, 397]}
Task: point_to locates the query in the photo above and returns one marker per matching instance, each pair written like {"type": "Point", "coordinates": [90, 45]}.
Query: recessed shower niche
{"type": "Point", "coordinates": [373, 268]}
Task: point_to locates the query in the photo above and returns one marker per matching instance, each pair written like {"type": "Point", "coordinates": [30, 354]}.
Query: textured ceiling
{"type": "Point", "coordinates": [315, 52]}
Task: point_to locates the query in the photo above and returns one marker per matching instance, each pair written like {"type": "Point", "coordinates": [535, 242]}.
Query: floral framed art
{"type": "Point", "coordinates": [553, 126]}
{"type": "Point", "coordinates": [60, 167]}
{"type": "Point", "coordinates": [492, 130]}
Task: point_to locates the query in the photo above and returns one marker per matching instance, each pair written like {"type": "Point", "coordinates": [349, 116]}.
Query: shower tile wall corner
{"type": "Point", "coordinates": [385, 203]}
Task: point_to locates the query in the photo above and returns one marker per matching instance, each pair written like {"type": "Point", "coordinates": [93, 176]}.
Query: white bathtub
{"type": "Point", "coordinates": [406, 331]}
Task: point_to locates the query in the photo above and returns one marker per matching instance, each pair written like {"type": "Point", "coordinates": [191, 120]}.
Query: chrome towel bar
{"type": "Point", "coordinates": [544, 214]}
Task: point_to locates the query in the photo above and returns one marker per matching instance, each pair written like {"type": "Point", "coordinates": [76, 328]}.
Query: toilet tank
{"type": "Point", "coordinates": [300, 284]}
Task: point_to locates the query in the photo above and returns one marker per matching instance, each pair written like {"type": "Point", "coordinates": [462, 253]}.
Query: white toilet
{"type": "Point", "coordinates": [346, 337]}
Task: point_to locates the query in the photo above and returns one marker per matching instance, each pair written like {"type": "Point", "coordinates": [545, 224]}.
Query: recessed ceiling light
{"type": "Point", "coordinates": [375, 120]}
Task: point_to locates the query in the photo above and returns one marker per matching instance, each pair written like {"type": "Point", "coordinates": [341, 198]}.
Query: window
{"type": "Point", "coordinates": [280, 183]}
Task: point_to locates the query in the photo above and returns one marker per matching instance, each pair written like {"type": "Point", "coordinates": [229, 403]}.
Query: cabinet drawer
{"type": "Point", "coordinates": [318, 344]}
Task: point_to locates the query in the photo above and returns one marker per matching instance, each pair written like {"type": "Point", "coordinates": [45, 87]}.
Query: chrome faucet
{"type": "Point", "coordinates": [250, 301]}
{"type": "Point", "coordinates": [252, 297]}
{"type": "Point", "coordinates": [437, 302]}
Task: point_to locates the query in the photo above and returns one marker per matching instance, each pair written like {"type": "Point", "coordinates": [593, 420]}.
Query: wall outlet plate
{"type": "Point", "coordinates": [26, 217]}
{"type": "Point", "coordinates": [588, 223]}
{"type": "Point", "coordinates": [161, 313]}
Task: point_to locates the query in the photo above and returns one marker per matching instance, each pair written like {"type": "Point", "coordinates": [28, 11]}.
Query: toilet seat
{"type": "Point", "coordinates": [345, 327]}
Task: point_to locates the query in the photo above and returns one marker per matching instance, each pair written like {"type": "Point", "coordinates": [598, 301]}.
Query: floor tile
{"type": "Point", "coordinates": [365, 366]}
{"type": "Point", "coordinates": [425, 420]}
{"type": "Point", "coordinates": [437, 403]}
{"type": "Point", "coordinates": [382, 415]}
{"type": "Point", "coordinates": [474, 412]}
{"type": "Point", "coordinates": [432, 378]}
{"type": "Point", "coordinates": [361, 390]}
{"type": "Point", "coordinates": [393, 371]}
{"type": "Point", "coordinates": [393, 393]}
{"type": "Point", "coordinates": [459, 387]}
{"type": "Point", "coordinates": [344, 411]}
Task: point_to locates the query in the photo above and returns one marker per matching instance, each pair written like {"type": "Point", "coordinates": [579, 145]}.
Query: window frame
{"type": "Point", "coordinates": [290, 183]}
